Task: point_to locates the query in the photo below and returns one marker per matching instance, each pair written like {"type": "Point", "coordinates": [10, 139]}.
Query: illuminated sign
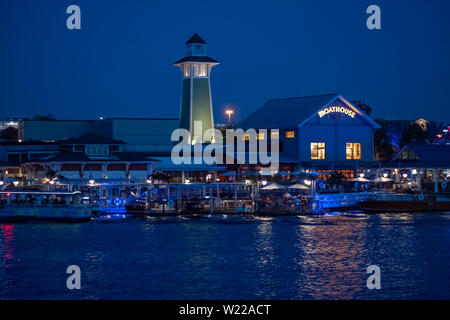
{"type": "Point", "coordinates": [337, 109]}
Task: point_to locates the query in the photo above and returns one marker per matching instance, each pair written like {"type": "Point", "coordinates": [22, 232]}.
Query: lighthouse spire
{"type": "Point", "coordinates": [196, 102]}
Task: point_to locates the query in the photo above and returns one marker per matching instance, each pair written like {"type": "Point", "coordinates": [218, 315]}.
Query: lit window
{"type": "Point", "coordinates": [200, 70]}
{"type": "Point", "coordinates": [246, 137]}
{"type": "Point", "coordinates": [289, 134]}
{"type": "Point", "coordinates": [97, 150]}
{"type": "Point", "coordinates": [187, 70]}
{"type": "Point", "coordinates": [317, 150]}
{"type": "Point", "coordinates": [260, 136]}
{"type": "Point", "coordinates": [274, 134]}
{"type": "Point", "coordinates": [203, 70]}
{"type": "Point", "coordinates": [408, 155]}
{"type": "Point", "coordinates": [353, 151]}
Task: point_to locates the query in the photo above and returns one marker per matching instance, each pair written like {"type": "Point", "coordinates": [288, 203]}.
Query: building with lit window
{"type": "Point", "coordinates": [319, 132]}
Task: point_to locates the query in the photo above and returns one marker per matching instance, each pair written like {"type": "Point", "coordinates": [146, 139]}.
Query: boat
{"type": "Point", "coordinates": [136, 207]}
{"type": "Point", "coordinates": [396, 203]}
{"type": "Point", "coordinates": [26, 205]}
{"type": "Point", "coordinates": [162, 208]}
{"type": "Point", "coordinates": [141, 207]}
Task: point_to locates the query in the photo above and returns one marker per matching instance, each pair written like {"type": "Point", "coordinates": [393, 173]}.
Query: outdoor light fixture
{"type": "Point", "coordinates": [307, 182]}
{"type": "Point", "coordinates": [385, 174]}
{"type": "Point", "coordinates": [52, 182]}
{"type": "Point", "coordinates": [361, 175]}
{"type": "Point", "coordinates": [149, 181]}
{"type": "Point", "coordinates": [264, 182]}
{"type": "Point", "coordinates": [414, 171]}
{"type": "Point", "coordinates": [16, 183]}
{"type": "Point", "coordinates": [229, 112]}
{"type": "Point", "coordinates": [91, 181]}
{"type": "Point", "coordinates": [405, 175]}
{"type": "Point", "coordinates": [247, 181]}
{"type": "Point", "coordinates": [187, 181]}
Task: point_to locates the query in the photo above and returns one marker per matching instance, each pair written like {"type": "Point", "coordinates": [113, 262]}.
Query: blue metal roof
{"type": "Point", "coordinates": [195, 39]}
{"type": "Point", "coordinates": [293, 112]}
{"type": "Point", "coordinates": [91, 138]}
{"type": "Point", "coordinates": [430, 155]}
{"type": "Point", "coordinates": [196, 59]}
{"type": "Point", "coordinates": [285, 113]}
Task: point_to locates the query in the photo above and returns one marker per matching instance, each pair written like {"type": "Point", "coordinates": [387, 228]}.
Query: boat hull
{"type": "Point", "coordinates": [404, 206]}
{"type": "Point", "coordinates": [46, 213]}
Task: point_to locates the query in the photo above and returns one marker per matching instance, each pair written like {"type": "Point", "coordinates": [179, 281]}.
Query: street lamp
{"type": "Point", "coordinates": [229, 112]}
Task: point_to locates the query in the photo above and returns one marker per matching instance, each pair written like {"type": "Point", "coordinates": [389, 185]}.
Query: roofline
{"type": "Point", "coordinates": [119, 118]}
{"type": "Point", "coordinates": [142, 119]}
{"type": "Point", "coordinates": [315, 95]}
{"type": "Point", "coordinates": [395, 158]}
{"type": "Point", "coordinates": [198, 41]}
{"type": "Point", "coordinates": [85, 161]}
{"type": "Point", "coordinates": [361, 114]}
{"type": "Point", "coordinates": [179, 62]}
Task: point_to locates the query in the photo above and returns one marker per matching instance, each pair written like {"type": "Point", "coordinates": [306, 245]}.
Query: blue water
{"type": "Point", "coordinates": [320, 257]}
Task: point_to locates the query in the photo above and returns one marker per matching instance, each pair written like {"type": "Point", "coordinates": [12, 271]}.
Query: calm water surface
{"type": "Point", "coordinates": [230, 257]}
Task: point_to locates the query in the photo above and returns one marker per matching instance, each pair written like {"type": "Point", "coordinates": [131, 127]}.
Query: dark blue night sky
{"type": "Point", "coordinates": [120, 63]}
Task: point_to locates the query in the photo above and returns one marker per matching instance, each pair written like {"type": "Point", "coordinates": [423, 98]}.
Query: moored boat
{"type": "Point", "coordinates": [406, 203]}
{"type": "Point", "coordinates": [26, 205]}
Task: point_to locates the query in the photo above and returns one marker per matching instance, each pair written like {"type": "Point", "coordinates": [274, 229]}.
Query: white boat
{"type": "Point", "coordinates": [23, 205]}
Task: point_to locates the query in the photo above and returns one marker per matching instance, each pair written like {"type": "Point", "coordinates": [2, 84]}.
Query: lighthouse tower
{"type": "Point", "coordinates": [196, 102]}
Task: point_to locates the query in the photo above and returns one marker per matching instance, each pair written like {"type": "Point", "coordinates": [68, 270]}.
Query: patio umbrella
{"type": "Point", "coordinates": [298, 186]}
{"type": "Point", "coordinates": [283, 173]}
{"type": "Point", "coordinates": [273, 186]}
{"type": "Point", "coordinates": [266, 173]}
{"type": "Point", "coordinates": [228, 174]}
{"type": "Point", "coordinates": [9, 180]}
{"type": "Point", "coordinates": [315, 173]}
{"type": "Point", "coordinates": [383, 179]}
{"type": "Point", "coordinates": [31, 180]}
{"type": "Point", "coordinates": [360, 179]}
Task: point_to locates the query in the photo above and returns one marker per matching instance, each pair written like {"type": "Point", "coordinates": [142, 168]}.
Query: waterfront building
{"type": "Point", "coordinates": [196, 102]}
{"type": "Point", "coordinates": [12, 122]}
{"type": "Point", "coordinates": [89, 156]}
{"type": "Point", "coordinates": [424, 166]}
{"type": "Point", "coordinates": [321, 132]}
{"type": "Point", "coordinates": [140, 134]}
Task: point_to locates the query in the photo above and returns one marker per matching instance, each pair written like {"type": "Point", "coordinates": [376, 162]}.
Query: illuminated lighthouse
{"type": "Point", "coordinates": [196, 104]}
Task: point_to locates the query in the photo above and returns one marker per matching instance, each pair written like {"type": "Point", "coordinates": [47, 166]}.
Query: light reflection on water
{"type": "Point", "coordinates": [230, 257]}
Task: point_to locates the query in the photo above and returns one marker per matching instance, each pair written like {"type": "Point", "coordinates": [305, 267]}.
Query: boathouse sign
{"type": "Point", "coordinates": [336, 109]}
